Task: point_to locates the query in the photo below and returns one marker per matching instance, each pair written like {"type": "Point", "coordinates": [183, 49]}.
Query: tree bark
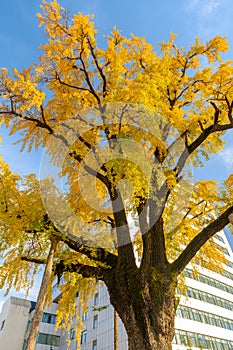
{"type": "Point", "coordinates": [40, 303]}
{"type": "Point", "coordinates": [147, 311]}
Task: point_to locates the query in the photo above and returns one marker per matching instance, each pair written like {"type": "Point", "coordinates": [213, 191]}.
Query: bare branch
{"type": "Point", "coordinates": [230, 106]}
{"type": "Point", "coordinates": [217, 112]}
{"type": "Point", "coordinates": [198, 241]}
{"type": "Point", "coordinates": [92, 90]}
{"type": "Point", "coordinates": [199, 140]}
{"type": "Point", "coordinates": [98, 66]}
{"type": "Point", "coordinates": [71, 86]}
{"type": "Point", "coordinates": [38, 122]}
{"type": "Point", "coordinates": [44, 121]}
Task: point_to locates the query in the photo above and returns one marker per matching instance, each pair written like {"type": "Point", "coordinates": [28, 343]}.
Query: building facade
{"type": "Point", "coordinates": [204, 317]}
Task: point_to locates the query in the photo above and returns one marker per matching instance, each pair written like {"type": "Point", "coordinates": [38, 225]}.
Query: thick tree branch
{"type": "Point", "coordinates": [97, 254]}
{"type": "Point", "coordinates": [124, 243]}
{"type": "Point", "coordinates": [75, 243]}
{"type": "Point", "coordinates": [146, 235]}
{"type": "Point", "coordinates": [199, 140]}
{"type": "Point", "coordinates": [33, 260]}
{"type": "Point", "coordinates": [91, 171]}
{"type": "Point", "coordinates": [85, 270]}
{"type": "Point", "coordinates": [198, 241]}
{"type": "Point", "coordinates": [158, 252]}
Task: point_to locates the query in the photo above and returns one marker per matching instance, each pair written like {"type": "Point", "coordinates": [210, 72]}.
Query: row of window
{"type": "Point", "coordinates": [224, 273]}
{"type": "Point", "coordinates": [201, 341]}
{"type": "Point", "coordinates": [204, 317]}
{"type": "Point", "coordinates": [48, 339]}
{"type": "Point", "coordinates": [45, 339]}
{"type": "Point", "coordinates": [208, 280]}
{"type": "Point", "coordinates": [209, 298]}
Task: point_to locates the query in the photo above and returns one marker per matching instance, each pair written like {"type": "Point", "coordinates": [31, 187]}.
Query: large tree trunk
{"type": "Point", "coordinates": [147, 309]}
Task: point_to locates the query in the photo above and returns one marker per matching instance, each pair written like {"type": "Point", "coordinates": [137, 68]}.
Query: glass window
{"type": "Point", "coordinates": [48, 339]}
{"type": "Point", "coordinates": [2, 325]}
{"type": "Point", "coordinates": [42, 338]}
{"type": "Point", "coordinates": [48, 318]}
{"type": "Point", "coordinates": [72, 334]}
{"type": "Point", "coordinates": [84, 316]}
{"type": "Point", "coordinates": [54, 340]}
{"type": "Point", "coordinates": [94, 345]}
{"type": "Point", "coordinates": [96, 299]}
{"type": "Point", "coordinates": [95, 321]}
{"type": "Point", "coordinates": [183, 313]}
{"type": "Point", "coordinates": [196, 316]}
{"type": "Point", "coordinates": [83, 337]}
{"type": "Point", "coordinates": [219, 238]}
{"type": "Point", "coordinates": [201, 341]}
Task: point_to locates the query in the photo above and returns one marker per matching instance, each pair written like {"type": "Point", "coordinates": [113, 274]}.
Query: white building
{"type": "Point", "coordinates": [204, 318]}
{"type": "Point", "coordinates": [13, 322]}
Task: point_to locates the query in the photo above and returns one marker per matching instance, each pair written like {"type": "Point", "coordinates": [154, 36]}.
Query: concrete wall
{"type": "Point", "coordinates": [13, 322]}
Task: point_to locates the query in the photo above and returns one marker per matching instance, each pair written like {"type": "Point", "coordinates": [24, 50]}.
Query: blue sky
{"type": "Point", "coordinates": [20, 38]}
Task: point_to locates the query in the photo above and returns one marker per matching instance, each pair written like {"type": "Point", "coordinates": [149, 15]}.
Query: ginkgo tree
{"type": "Point", "coordinates": [123, 126]}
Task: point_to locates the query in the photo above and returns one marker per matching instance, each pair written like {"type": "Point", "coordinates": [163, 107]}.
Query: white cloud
{"type": "Point", "coordinates": [227, 157]}
{"type": "Point", "coordinates": [202, 7]}
{"type": "Point", "coordinates": [208, 18]}
{"type": "Point", "coordinates": [210, 6]}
